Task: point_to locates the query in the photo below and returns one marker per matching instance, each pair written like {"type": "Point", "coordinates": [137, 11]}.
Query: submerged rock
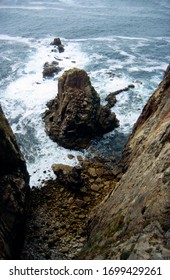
{"type": "Point", "coordinates": [75, 116]}
{"type": "Point", "coordinates": [14, 191]}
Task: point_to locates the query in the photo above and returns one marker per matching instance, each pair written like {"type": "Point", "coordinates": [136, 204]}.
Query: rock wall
{"type": "Point", "coordinates": [133, 221]}
{"type": "Point", "coordinates": [14, 192]}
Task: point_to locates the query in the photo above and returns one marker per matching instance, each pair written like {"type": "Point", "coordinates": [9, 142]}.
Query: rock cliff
{"type": "Point", "coordinates": [75, 116]}
{"type": "Point", "coordinates": [14, 192]}
{"type": "Point", "coordinates": [133, 221]}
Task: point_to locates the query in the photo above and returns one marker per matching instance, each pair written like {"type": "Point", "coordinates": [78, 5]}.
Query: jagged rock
{"type": "Point", "coordinates": [50, 69]}
{"type": "Point", "coordinates": [69, 176]}
{"type": "Point", "coordinates": [57, 42]}
{"type": "Point", "coordinates": [111, 97]}
{"type": "Point", "coordinates": [75, 116]}
{"type": "Point", "coordinates": [14, 192]}
{"type": "Point", "coordinates": [134, 218]}
{"type": "Point", "coordinates": [61, 48]}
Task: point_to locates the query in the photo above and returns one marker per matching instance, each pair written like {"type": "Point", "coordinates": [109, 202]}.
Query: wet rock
{"type": "Point", "coordinates": [50, 69]}
{"type": "Point", "coordinates": [75, 116]}
{"type": "Point", "coordinates": [61, 48]}
{"type": "Point", "coordinates": [111, 97]}
{"type": "Point", "coordinates": [70, 156]}
{"type": "Point", "coordinates": [57, 42]}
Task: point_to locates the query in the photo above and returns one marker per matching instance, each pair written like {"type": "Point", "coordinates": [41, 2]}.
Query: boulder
{"type": "Point", "coordinates": [69, 176]}
{"type": "Point", "coordinates": [50, 69]}
{"type": "Point", "coordinates": [75, 116]}
{"type": "Point", "coordinates": [57, 42]}
{"type": "Point", "coordinates": [14, 193]}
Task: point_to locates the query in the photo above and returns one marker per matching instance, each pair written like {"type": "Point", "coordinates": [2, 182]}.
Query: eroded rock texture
{"type": "Point", "coordinates": [133, 222]}
{"type": "Point", "coordinates": [75, 116]}
{"type": "Point", "coordinates": [14, 191]}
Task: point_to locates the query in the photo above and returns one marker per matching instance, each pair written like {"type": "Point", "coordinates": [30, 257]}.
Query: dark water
{"type": "Point", "coordinates": [116, 42]}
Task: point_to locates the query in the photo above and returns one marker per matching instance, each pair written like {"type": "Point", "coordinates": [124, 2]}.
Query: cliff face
{"type": "Point", "coordinates": [133, 221]}
{"type": "Point", "coordinates": [14, 191]}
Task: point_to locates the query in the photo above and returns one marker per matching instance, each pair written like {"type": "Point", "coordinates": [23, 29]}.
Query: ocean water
{"type": "Point", "coordinates": [117, 42]}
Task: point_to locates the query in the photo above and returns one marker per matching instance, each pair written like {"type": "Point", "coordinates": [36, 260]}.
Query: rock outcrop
{"type": "Point", "coordinates": [57, 42]}
{"type": "Point", "coordinates": [75, 116]}
{"type": "Point", "coordinates": [50, 69]}
{"type": "Point", "coordinates": [14, 193]}
{"type": "Point", "coordinates": [133, 221]}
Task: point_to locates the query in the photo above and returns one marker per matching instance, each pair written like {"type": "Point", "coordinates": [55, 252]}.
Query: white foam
{"type": "Point", "coordinates": [17, 39]}
{"type": "Point", "coordinates": [30, 92]}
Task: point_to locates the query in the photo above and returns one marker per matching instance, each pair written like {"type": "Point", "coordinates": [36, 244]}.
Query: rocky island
{"type": "Point", "coordinates": [76, 116]}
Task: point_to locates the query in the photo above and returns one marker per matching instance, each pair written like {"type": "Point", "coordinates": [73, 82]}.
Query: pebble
{"type": "Point", "coordinates": [62, 232]}
{"type": "Point", "coordinates": [95, 188]}
{"type": "Point", "coordinates": [61, 215]}
{"type": "Point", "coordinates": [70, 156]}
{"type": "Point", "coordinates": [92, 172]}
{"type": "Point", "coordinates": [64, 250]}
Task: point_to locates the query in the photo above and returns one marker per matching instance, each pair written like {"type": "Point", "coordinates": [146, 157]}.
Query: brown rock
{"type": "Point", "coordinates": [75, 116]}
{"type": "Point", "coordinates": [95, 187]}
{"type": "Point", "coordinates": [70, 156]}
{"type": "Point", "coordinates": [134, 217]}
{"type": "Point", "coordinates": [92, 172]}
{"type": "Point", "coordinates": [14, 193]}
{"type": "Point", "coordinates": [69, 176]}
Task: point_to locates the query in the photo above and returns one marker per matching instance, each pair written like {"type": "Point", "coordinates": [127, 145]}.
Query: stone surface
{"type": "Point", "coordinates": [14, 192]}
{"type": "Point", "coordinates": [57, 228]}
{"type": "Point", "coordinates": [75, 116]}
{"type": "Point", "coordinates": [69, 176]}
{"type": "Point", "coordinates": [134, 217]}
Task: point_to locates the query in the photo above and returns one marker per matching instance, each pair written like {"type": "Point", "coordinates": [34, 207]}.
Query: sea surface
{"type": "Point", "coordinates": [118, 42]}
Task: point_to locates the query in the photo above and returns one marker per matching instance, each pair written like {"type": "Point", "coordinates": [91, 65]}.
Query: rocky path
{"type": "Point", "coordinates": [58, 220]}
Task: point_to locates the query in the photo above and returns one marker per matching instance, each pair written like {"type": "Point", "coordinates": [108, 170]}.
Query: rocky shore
{"type": "Point", "coordinates": [58, 219]}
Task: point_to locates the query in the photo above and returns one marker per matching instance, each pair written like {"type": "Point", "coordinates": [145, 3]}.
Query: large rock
{"type": "Point", "coordinates": [75, 116]}
{"type": "Point", "coordinates": [14, 192]}
{"type": "Point", "coordinates": [57, 42]}
{"type": "Point", "coordinates": [133, 222]}
{"type": "Point", "coordinates": [69, 176]}
{"type": "Point", "coordinates": [50, 69]}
